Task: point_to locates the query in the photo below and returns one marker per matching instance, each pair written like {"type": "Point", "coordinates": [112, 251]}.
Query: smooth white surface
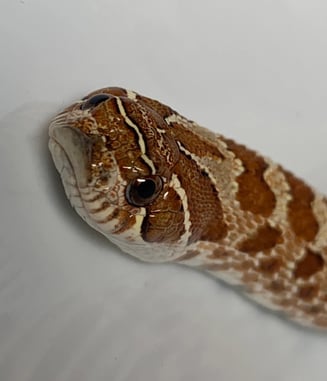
{"type": "Point", "coordinates": [72, 307]}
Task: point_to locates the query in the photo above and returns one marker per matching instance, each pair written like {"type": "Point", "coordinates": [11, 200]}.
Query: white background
{"type": "Point", "coordinates": [72, 306]}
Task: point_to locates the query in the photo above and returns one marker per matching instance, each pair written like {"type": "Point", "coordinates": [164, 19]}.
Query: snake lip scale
{"type": "Point", "coordinates": [164, 189]}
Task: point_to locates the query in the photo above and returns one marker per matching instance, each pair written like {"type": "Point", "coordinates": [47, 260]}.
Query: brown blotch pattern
{"type": "Point", "coordinates": [276, 286]}
{"type": "Point", "coordinates": [288, 302]}
{"type": "Point", "coordinates": [308, 292]}
{"type": "Point", "coordinates": [300, 212]}
{"type": "Point", "coordinates": [309, 265]}
{"type": "Point", "coordinates": [250, 277]}
{"type": "Point", "coordinates": [254, 194]}
{"type": "Point", "coordinates": [219, 253]}
{"type": "Point", "coordinates": [312, 309]}
{"type": "Point", "coordinates": [270, 266]}
{"type": "Point", "coordinates": [265, 238]}
{"type": "Point", "coordinates": [244, 265]}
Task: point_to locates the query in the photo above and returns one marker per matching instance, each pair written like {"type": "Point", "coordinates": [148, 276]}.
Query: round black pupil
{"type": "Point", "coordinates": [146, 188]}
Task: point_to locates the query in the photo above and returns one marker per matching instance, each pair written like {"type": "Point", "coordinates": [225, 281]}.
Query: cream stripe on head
{"type": "Point", "coordinates": [141, 141]}
{"type": "Point", "coordinates": [176, 185]}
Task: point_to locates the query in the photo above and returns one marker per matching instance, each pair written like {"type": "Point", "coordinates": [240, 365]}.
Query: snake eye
{"type": "Point", "coordinates": [141, 192]}
{"type": "Point", "coordinates": [95, 101]}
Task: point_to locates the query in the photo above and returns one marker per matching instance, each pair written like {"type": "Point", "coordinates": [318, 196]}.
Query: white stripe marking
{"type": "Point", "coordinates": [198, 162]}
{"type": "Point", "coordinates": [174, 118]}
{"type": "Point", "coordinates": [141, 142]}
{"type": "Point", "coordinates": [176, 185]}
{"type": "Point", "coordinates": [131, 95]}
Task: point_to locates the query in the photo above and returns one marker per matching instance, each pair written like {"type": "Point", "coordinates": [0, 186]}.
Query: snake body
{"type": "Point", "coordinates": [164, 189]}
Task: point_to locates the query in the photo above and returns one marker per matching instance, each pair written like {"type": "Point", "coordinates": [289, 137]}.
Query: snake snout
{"type": "Point", "coordinates": [71, 150]}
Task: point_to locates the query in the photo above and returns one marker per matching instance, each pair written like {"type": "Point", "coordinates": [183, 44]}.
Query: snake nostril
{"type": "Point", "coordinates": [95, 101]}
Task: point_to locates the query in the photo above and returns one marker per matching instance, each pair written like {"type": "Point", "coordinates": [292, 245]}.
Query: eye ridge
{"type": "Point", "coordinates": [142, 191]}
{"type": "Point", "coordinates": [95, 101]}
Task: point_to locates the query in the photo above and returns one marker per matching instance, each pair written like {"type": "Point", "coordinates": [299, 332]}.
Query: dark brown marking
{"type": "Point", "coordinates": [164, 221]}
{"type": "Point", "coordinates": [314, 309]}
{"type": "Point", "coordinates": [219, 253]}
{"type": "Point", "coordinates": [250, 277]}
{"type": "Point", "coordinates": [114, 214]}
{"type": "Point", "coordinates": [126, 222]}
{"type": "Point", "coordinates": [105, 205]}
{"type": "Point", "coordinates": [121, 141]}
{"type": "Point", "coordinates": [265, 238]}
{"type": "Point", "coordinates": [308, 292]}
{"type": "Point", "coordinates": [246, 265]}
{"type": "Point", "coordinates": [300, 212]}
{"type": "Point", "coordinates": [206, 215]}
{"type": "Point", "coordinates": [270, 266]}
{"type": "Point", "coordinates": [309, 265]}
{"type": "Point", "coordinates": [195, 143]}
{"type": "Point", "coordinates": [276, 286]}
{"type": "Point", "coordinates": [161, 109]}
{"type": "Point", "coordinates": [254, 194]}
{"type": "Point", "coordinates": [243, 266]}
{"type": "Point", "coordinates": [94, 198]}
{"type": "Point", "coordinates": [288, 302]}
{"type": "Point", "coordinates": [161, 148]}
{"type": "Point", "coordinates": [115, 91]}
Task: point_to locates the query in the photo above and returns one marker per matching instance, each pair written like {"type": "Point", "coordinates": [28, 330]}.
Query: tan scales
{"type": "Point", "coordinates": [165, 189]}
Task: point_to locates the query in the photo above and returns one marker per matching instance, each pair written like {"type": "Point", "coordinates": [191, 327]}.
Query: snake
{"type": "Point", "coordinates": [165, 189]}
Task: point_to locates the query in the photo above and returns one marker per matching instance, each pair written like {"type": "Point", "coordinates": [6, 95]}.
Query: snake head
{"type": "Point", "coordinates": [116, 155]}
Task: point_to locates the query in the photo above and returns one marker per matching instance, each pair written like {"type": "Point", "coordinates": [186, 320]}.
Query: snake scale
{"type": "Point", "coordinates": [164, 189]}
